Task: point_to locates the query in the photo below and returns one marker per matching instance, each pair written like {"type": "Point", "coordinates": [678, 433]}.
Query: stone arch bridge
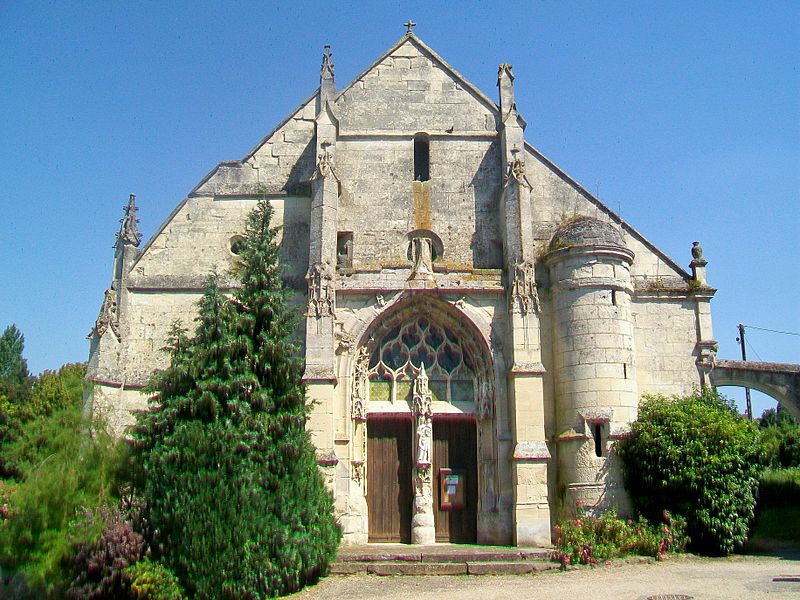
{"type": "Point", "coordinates": [779, 380]}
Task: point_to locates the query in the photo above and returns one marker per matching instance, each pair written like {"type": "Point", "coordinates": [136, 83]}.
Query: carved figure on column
{"type": "Point", "coordinates": [485, 408]}
{"type": "Point", "coordinates": [346, 342]}
{"type": "Point", "coordinates": [325, 161]}
{"type": "Point", "coordinates": [523, 288]}
{"type": "Point", "coordinates": [360, 379]}
{"type": "Point", "coordinates": [422, 395]}
{"type": "Point", "coordinates": [424, 439]}
{"type": "Point", "coordinates": [321, 293]}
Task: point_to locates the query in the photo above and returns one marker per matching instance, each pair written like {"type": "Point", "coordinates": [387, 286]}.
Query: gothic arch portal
{"type": "Point", "coordinates": [424, 379]}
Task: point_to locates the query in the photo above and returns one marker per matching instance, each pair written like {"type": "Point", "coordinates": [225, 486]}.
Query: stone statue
{"type": "Point", "coordinates": [485, 407]}
{"type": "Point", "coordinates": [424, 438]}
{"type": "Point", "coordinates": [423, 258]}
{"type": "Point", "coordinates": [422, 395]}
{"type": "Point", "coordinates": [360, 379]}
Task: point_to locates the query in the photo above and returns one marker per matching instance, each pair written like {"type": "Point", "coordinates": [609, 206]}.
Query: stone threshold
{"type": "Point", "coordinates": [441, 559]}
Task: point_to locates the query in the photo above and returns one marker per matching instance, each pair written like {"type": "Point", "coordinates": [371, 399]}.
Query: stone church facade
{"type": "Point", "coordinates": [478, 328]}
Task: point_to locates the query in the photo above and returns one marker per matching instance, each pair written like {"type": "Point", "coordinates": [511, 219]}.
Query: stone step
{"type": "Point", "coordinates": [394, 568]}
{"type": "Point", "coordinates": [444, 555]}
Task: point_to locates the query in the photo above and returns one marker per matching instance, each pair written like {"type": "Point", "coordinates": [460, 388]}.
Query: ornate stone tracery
{"type": "Point", "coordinates": [321, 292]}
{"type": "Point", "coordinates": [108, 317]}
{"type": "Point", "coordinates": [524, 294]}
{"type": "Point", "coordinates": [358, 401]}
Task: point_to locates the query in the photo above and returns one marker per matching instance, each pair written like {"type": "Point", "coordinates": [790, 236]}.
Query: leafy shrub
{"type": "Point", "coordinates": [153, 581]}
{"type": "Point", "coordinates": [589, 539]}
{"type": "Point", "coordinates": [696, 457]}
{"type": "Point", "coordinates": [63, 470]}
{"type": "Point", "coordinates": [99, 564]}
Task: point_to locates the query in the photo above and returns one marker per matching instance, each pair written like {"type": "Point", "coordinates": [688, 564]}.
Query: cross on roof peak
{"type": "Point", "coordinates": [409, 26]}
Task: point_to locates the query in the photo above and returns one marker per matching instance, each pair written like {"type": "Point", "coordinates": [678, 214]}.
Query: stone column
{"type": "Point", "coordinates": [423, 530]}
{"type": "Point", "coordinates": [526, 375]}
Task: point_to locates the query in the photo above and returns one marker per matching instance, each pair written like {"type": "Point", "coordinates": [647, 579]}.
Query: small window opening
{"type": "Point", "coordinates": [614, 297]}
{"type": "Point", "coordinates": [625, 370]}
{"type": "Point", "coordinates": [344, 250]}
{"type": "Point", "coordinates": [598, 439]}
{"type": "Point", "coordinates": [422, 158]}
{"type": "Point", "coordinates": [237, 245]}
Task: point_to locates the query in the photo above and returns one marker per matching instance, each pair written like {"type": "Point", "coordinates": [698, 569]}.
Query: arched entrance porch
{"type": "Point", "coordinates": [422, 408]}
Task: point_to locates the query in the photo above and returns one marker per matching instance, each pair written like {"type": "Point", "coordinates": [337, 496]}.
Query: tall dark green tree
{"type": "Point", "coordinates": [234, 497]}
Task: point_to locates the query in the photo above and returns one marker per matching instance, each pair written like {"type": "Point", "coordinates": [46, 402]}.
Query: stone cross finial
{"type": "Point", "coordinates": [327, 63]}
{"type": "Point", "coordinates": [409, 26]}
{"type": "Point", "coordinates": [129, 228]}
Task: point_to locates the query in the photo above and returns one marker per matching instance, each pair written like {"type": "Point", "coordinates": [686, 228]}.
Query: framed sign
{"type": "Point", "coordinates": [452, 489]}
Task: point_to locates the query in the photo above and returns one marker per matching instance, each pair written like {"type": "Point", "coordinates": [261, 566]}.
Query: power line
{"type": "Point", "coordinates": [749, 345]}
{"type": "Point", "coordinates": [772, 330]}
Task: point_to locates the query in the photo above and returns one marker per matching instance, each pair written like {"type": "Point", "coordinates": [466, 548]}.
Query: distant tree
{"type": "Point", "coordinates": [780, 439]}
{"type": "Point", "coordinates": [12, 365]}
{"type": "Point", "coordinates": [228, 471]}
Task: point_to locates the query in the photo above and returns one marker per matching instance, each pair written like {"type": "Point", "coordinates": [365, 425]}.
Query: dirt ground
{"type": "Point", "coordinates": [750, 577]}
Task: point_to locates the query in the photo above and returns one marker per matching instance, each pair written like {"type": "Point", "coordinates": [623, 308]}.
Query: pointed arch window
{"type": "Point", "coordinates": [396, 361]}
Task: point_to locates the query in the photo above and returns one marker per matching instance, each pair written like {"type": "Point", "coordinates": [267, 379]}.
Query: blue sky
{"type": "Point", "coordinates": [682, 116]}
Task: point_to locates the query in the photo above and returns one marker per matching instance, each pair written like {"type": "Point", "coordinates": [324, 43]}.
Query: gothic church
{"type": "Point", "coordinates": [478, 328]}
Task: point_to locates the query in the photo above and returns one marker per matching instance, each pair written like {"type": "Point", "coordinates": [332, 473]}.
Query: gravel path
{"type": "Point", "coordinates": [750, 577]}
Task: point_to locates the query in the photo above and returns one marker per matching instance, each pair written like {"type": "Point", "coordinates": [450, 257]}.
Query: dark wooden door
{"type": "Point", "coordinates": [389, 484]}
{"type": "Point", "coordinates": [455, 447]}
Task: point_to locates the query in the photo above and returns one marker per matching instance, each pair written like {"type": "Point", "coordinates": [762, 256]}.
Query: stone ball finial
{"type": "Point", "coordinates": [697, 251]}
{"type": "Point", "coordinates": [587, 231]}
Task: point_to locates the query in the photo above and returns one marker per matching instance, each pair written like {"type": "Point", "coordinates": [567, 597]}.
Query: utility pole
{"type": "Point", "coordinates": [740, 339]}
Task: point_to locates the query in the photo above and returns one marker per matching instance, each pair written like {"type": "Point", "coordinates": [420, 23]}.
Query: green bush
{"type": "Point", "coordinates": [233, 494]}
{"type": "Point", "coordinates": [695, 457]}
{"type": "Point", "coordinates": [153, 581]}
{"type": "Point", "coordinates": [63, 470]}
{"type": "Point", "coordinates": [588, 539]}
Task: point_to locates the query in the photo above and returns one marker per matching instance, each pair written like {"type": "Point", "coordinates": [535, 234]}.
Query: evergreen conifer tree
{"type": "Point", "coordinates": [235, 500]}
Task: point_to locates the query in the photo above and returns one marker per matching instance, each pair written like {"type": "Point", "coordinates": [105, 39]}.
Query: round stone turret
{"type": "Point", "coordinates": [596, 395]}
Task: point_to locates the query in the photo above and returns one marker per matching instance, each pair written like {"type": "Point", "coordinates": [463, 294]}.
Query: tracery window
{"type": "Point", "coordinates": [398, 358]}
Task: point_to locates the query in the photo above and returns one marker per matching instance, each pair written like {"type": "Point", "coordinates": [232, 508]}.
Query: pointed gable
{"type": "Point", "coordinates": [409, 89]}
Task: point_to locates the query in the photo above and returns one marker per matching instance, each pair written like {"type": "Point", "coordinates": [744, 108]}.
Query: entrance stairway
{"type": "Point", "coordinates": [441, 559]}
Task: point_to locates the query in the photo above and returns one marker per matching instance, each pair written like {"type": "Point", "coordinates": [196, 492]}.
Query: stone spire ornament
{"type": "Point", "coordinates": [409, 25]}
{"type": "Point", "coordinates": [129, 225]}
{"type": "Point", "coordinates": [327, 83]}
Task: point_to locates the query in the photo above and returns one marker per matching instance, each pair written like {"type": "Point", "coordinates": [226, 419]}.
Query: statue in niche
{"type": "Point", "coordinates": [422, 395]}
{"type": "Point", "coordinates": [321, 294]}
{"type": "Point", "coordinates": [523, 287]}
{"type": "Point", "coordinates": [424, 436]}
{"type": "Point", "coordinates": [485, 407]}
{"type": "Point", "coordinates": [360, 375]}
{"type": "Point", "coordinates": [422, 249]}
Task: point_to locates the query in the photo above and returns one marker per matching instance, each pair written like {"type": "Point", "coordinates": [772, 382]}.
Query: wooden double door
{"type": "Point", "coordinates": [390, 472]}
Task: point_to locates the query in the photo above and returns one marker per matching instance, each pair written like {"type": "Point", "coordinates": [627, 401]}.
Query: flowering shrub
{"type": "Point", "coordinates": [99, 564]}
{"type": "Point", "coordinates": [697, 457]}
{"type": "Point", "coordinates": [589, 539]}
